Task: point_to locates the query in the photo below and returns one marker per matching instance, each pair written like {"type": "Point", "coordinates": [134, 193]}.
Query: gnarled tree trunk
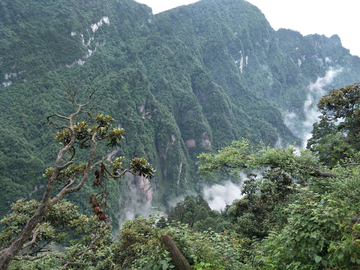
{"type": "Point", "coordinates": [179, 260]}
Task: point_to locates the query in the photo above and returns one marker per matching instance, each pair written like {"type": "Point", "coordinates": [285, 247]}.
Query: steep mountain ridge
{"type": "Point", "coordinates": [276, 65]}
{"type": "Point", "coordinates": [181, 82]}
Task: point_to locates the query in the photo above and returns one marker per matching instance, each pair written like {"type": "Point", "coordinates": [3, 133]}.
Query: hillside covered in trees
{"type": "Point", "coordinates": [182, 82]}
{"type": "Point", "coordinates": [300, 210]}
{"type": "Point", "coordinates": [200, 92]}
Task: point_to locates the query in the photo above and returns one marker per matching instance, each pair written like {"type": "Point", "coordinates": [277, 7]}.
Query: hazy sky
{"type": "Point", "coordinates": [327, 17]}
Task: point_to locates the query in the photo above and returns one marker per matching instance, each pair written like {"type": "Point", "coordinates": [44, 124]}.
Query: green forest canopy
{"type": "Point", "coordinates": [296, 212]}
{"type": "Point", "coordinates": [182, 82]}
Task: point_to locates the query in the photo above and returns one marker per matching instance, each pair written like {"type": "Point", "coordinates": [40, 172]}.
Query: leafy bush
{"type": "Point", "coordinates": [63, 237]}
{"type": "Point", "coordinates": [140, 246]}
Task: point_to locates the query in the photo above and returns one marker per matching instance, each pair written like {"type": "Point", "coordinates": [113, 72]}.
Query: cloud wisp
{"type": "Point", "coordinates": [218, 196]}
{"type": "Point", "coordinates": [302, 128]}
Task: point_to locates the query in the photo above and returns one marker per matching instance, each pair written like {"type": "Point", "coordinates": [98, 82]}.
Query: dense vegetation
{"type": "Point", "coordinates": [211, 80]}
{"type": "Point", "coordinates": [299, 210]}
{"type": "Point", "coordinates": [79, 135]}
{"type": "Point", "coordinates": [182, 82]}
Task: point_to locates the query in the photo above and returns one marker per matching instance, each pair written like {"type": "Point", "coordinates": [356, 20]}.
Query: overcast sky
{"type": "Point", "coordinates": [327, 17]}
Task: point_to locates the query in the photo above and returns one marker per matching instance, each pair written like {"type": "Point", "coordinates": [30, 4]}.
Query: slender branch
{"type": "Point", "coordinates": [302, 178]}
{"type": "Point", "coordinates": [85, 104]}
{"type": "Point", "coordinates": [35, 234]}
{"type": "Point", "coordinates": [33, 258]}
{"type": "Point", "coordinates": [121, 174]}
{"type": "Point", "coordinates": [71, 182]}
{"type": "Point", "coordinates": [117, 175]}
{"type": "Point", "coordinates": [89, 113]}
{"type": "Point", "coordinates": [55, 125]}
{"type": "Point", "coordinates": [68, 190]}
{"type": "Point", "coordinates": [320, 173]}
{"type": "Point", "coordinates": [79, 261]}
{"type": "Point", "coordinates": [65, 165]}
{"type": "Point", "coordinates": [73, 154]}
{"type": "Point", "coordinates": [41, 248]}
{"type": "Point", "coordinates": [97, 164]}
{"type": "Point", "coordinates": [57, 115]}
{"type": "Point", "coordinates": [351, 164]}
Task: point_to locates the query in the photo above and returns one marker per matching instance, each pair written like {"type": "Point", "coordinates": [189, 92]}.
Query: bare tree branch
{"type": "Point", "coordinates": [351, 164]}
{"type": "Point", "coordinates": [320, 173]}
{"type": "Point", "coordinates": [97, 163]}
{"type": "Point", "coordinates": [57, 115]}
{"type": "Point", "coordinates": [302, 178]}
{"type": "Point", "coordinates": [73, 154]}
{"type": "Point", "coordinates": [117, 175]}
{"type": "Point", "coordinates": [33, 258]}
{"type": "Point", "coordinates": [66, 165]}
{"type": "Point", "coordinates": [35, 234]}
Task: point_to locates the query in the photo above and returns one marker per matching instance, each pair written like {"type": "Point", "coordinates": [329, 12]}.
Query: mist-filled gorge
{"type": "Point", "coordinates": [197, 137]}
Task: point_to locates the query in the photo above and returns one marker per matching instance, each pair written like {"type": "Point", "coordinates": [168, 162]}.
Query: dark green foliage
{"type": "Point", "coordinates": [200, 214]}
{"type": "Point", "coordinates": [209, 224]}
{"type": "Point", "coordinates": [61, 225]}
{"type": "Point", "coordinates": [151, 85]}
{"type": "Point", "coordinates": [140, 246]}
{"type": "Point", "coordinates": [332, 141]}
{"type": "Point", "coordinates": [188, 218]}
{"type": "Point", "coordinates": [183, 82]}
{"type": "Point", "coordinates": [172, 80]}
{"type": "Point", "coordinates": [318, 229]}
{"type": "Point", "coordinates": [301, 213]}
{"type": "Point", "coordinates": [329, 142]}
{"type": "Point", "coordinates": [196, 213]}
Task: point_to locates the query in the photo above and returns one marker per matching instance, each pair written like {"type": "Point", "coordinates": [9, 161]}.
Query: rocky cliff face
{"type": "Point", "coordinates": [181, 82]}
{"type": "Point", "coordinates": [141, 185]}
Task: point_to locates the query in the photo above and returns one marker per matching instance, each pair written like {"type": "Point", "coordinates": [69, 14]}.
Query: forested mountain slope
{"type": "Point", "coordinates": [181, 82]}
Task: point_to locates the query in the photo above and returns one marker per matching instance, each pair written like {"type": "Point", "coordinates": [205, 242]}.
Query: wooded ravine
{"type": "Point", "coordinates": [185, 84]}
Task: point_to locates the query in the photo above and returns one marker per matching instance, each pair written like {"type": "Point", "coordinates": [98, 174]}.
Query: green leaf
{"type": "Point", "coordinates": [317, 258]}
{"type": "Point", "coordinates": [341, 254]}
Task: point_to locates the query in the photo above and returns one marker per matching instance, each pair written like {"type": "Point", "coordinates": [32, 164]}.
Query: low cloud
{"type": "Point", "coordinates": [218, 196]}
{"type": "Point", "coordinates": [134, 210]}
{"type": "Point", "coordinates": [135, 205]}
{"type": "Point", "coordinates": [321, 83]}
{"type": "Point", "coordinates": [316, 90]}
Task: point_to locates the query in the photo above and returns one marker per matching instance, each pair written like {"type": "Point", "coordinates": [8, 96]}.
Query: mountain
{"type": "Point", "coordinates": [182, 82]}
